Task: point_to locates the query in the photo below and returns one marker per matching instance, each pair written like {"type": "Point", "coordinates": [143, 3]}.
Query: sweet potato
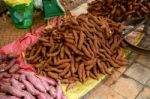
{"type": "Point", "coordinates": [86, 52]}
{"type": "Point", "coordinates": [81, 40]}
{"type": "Point", "coordinates": [72, 66]}
{"type": "Point", "coordinates": [67, 52]}
{"type": "Point", "coordinates": [59, 92]}
{"type": "Point", "coordinates": [48, 96]}
{"type": "Point", "coordinates": [53, 75]}
{"type": "Point", "coordinates": [11, 63]}
{"type": "Point", "coordinates": [105, 68]}
{"type": "Point", "coordinates": [8, 97]}
{"type": "Point", "coordinates": [34, 80]}
{"type": "Point", "coordinates": [15, 83]}
{"type": "Point", "coordinates": [53, 54]}
{"type": "Point", "coordinates": [74, 49]}
{"type": "Point", "coordinates": [34, 56]}
{"type": "Point", "coordinates": [101, 68]}
{"type": "Point", "coordinates": [27, 95]}
{"type": "Point", "coordinates": [75, 36]}
{"type": "Point", "coordinates": [40, 65]}
{"type": "Point", "coordinates": [93, 76]}
{"type": "Point", "coordinates": [80, 71]}
{"type": "Point", "coordinates": [4, 74]}
{"type": "Point", "coordinates": [43, 51]}
{"type": "Point", "coordinates": [12, 90]}
{"type": "Point", "coordinates": [65, 71]}
{"type": "Point", "coordinates": [48, 80]}
{"type": "Point", "coordinates": [68, 75]}
{"type": "Point", "coordinates": [63, 61]}
{"type": "Point", "coordinates": [14, 68]}
{"type": "Point", "coordinates": [71, 41]}
{"type": "Point", "coordinates": [43, 40]}
{"type": "Point", "coordinates": [52, 69]}
{"type": "Point", "coordinates": [29, 86]}
{"type": "Point", "coordinates": [52, 91]}
{"type": "Point", "coordinates": [62, 52]}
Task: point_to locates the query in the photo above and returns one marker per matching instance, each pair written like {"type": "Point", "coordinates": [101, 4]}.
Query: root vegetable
{"type": "Point", "coordinates": [59, 92]}
{"type": "Point", "coordinates": [65, 71]}
{"type": "Point", "coordinates": [8, 97]}
{"type": "Point", "coordinates": [12, 62]}
{"type": "Point", "coordinates": [52, 91]}
{"type": "Point", "coordinates": [80, 47]}
{"type": "Point", "coordinates": [67, 52]}
{"type": "Point", "coordinates": [81, 40]}
{"type": "Point", "coordinates": [16, 84]}
{"type": "Point", "coordinates": [29, 86]}
{"type": "Point", "coordinates": [12, 90]}
{"type": "Point", "coordinates": [14, 69]}
{"type": "Point", "coordinates": [53, 75]}
{"type": "Point", "coordinates": [34, 80]}
{"type": "Point", "coordinates": [63, 61]}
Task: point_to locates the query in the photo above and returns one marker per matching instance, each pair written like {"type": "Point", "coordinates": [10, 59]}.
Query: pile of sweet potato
{"type": "Point", "coordinates": [78, 48]}
{"type": "Point", "coordinates": [120, 10]}
{"type": "Point", "coordinates": [28, 85]}
{"type": "Point", "coordinates": [8, 65]}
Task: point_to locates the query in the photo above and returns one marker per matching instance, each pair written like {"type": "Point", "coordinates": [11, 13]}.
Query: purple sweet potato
{"type": "Point", "coordinates": [59, 92]}
{"type": "Point", "coordinates": [48, 80]}
{"type": "Point", "coordinates": [11, 63]}
{"type": "Point", "coordinates": [8, 97]}
{"type": "Point", "coordinates": [12, 90]}
{"type": "Point", "coordinates": [14, 68]}
{"type": "Point", "coordinates": [29, 86]}
{"type": "Point", "coordinates": [15, 83]}
{"type": "Point", "coordinates": [35, 82]}
{"type": "Point", "coordinates": [52, 91]}
{"type": "Point", "coordinates": [27, 95]}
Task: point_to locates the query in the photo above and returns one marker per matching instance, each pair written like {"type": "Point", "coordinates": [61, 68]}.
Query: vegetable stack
{"type": "Point", "coordinates": [78, 48]}
{"type": "Point", "coordinates": [28, 85]}
{"type": "Point", "coordinates": [120, 10]}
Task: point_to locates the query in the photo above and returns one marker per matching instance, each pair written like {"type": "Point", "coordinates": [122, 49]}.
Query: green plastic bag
{"type": "Point", "coordinates": [52, 9]}
{"type": "Point", "coordinates": [21, 12]}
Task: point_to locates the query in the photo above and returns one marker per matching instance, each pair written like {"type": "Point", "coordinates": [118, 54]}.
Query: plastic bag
{"type": "Point", "coordinates": [21, 12]}
{"type": "Point", "coordinates": [38, 4]}
{"type": "Point", "coordinates": [20, 45]}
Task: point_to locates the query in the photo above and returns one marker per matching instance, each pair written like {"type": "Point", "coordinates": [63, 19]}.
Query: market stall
{"type": "Point", "coordinates": [70, 54]}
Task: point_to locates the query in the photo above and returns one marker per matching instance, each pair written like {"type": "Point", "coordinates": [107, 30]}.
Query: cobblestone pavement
{"type": "Point", "coordinates": [129, 82]}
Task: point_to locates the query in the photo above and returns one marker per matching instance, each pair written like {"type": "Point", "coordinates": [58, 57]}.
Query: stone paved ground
{"type": "Point", "coordinates": [130, 82]}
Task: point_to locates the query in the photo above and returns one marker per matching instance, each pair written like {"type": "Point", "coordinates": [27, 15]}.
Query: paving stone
{"type": "Point", "coordinates": [123, 68]}
{"type": "Point", "coordinates": [104, 92]}
{"type": "Point", "coordinates": [112, 78]}
{"type": "Point", "coordinates": [139, 73]}
{"type": "Point", "coordinates": [145, 94]}
{"type": "Point", "coordinates": [148, 83]}
{"type": "Point", "coordinates": [145, 60]}
{"type": "Point", "coordinates": [127, 87]}
{"type": "Point", "coordinates": [131, 58]}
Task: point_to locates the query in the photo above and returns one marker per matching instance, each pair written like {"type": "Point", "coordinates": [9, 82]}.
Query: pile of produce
{"type": "Point", "coordinates": [16, 83]}
{"type": "Point", "coordinates": [28, 85]}
{"type": "Point", "coordinates": [119, 10]}
{"type": "Point", "coordinates": [78, 48]}
{"type": "Point", "coordinates": [8, 65]}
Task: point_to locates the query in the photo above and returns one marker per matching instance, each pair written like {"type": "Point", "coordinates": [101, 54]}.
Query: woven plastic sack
{"type": "Point", "coordinates": [20, 45]}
